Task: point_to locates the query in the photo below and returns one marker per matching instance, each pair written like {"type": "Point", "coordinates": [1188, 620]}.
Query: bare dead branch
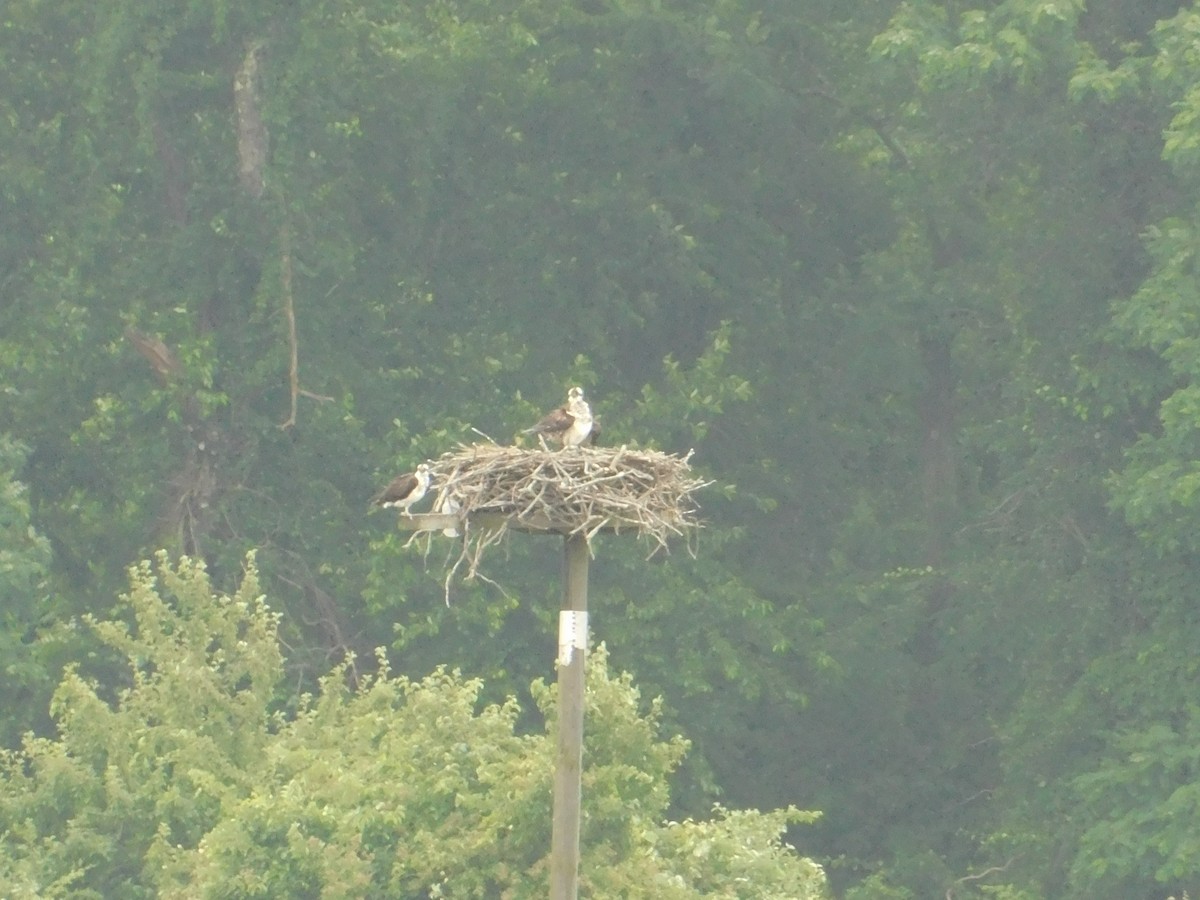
{"type": "Point", "coordinates": [251, 129]}
{"type": "Point", "coordinates": [289, 312]}
{"type": "Point", "coordinates": [977, 876]}
{"type": "Point", "coordinates": [155, 352]}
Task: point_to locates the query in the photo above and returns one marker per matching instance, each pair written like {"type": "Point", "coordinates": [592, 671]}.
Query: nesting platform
{"type": "Point", "coordinates": [483, 491]}
{"type": "Point", "coordinates": [579, 490]}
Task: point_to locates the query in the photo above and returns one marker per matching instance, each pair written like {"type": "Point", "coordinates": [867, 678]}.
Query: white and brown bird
{"type": "Point", "coordinates": [448, 505]}
{"type": "Point", "coordinates": [569, 425]}
{"type": "Point", "coordinates": [405, 490]}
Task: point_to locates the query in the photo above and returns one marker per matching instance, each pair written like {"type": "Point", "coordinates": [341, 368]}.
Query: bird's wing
{"type": "Point", "coordinates": [401, 486]}
{"type": "Point", "coordinates": [559, 420]}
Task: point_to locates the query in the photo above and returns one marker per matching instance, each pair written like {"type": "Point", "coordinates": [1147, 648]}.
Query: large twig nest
{"type": "Point", "coordinates": [577, 490]}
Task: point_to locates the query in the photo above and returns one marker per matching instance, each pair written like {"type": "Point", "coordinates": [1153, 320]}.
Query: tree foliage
{"type": "Point", "coordinates": [189, 782]}
{"type": "Point", "coordinates": [25, 565]}
{"type": "Point", "coordinates": [914, 279]}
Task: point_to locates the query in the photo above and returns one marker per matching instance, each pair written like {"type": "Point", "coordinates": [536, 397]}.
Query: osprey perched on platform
{"type": "Point", "coordinates": [568, 425]}
{"type": "Point", "coordinates": [405, 490]}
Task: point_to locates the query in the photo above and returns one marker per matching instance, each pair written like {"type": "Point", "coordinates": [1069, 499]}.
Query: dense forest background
{"type": "Point", "coordinates": [918, 281]}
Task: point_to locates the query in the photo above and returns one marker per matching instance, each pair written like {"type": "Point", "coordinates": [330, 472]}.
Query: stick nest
{"type": "Point", "coordinates": [578, 490]}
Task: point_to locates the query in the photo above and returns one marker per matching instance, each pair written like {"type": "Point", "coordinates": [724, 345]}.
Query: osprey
{"type": "Point", "coordinates": [448, 506]}
{"type": "Point", "coordinates": [405, 490]}
{"type": "Point", "coordinates": [568, 425]}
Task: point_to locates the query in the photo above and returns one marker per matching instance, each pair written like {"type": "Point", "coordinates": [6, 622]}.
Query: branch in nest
{"type": "Point", "coordinates": [580, 490]}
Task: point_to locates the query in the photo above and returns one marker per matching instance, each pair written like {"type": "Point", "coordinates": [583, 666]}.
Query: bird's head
{"type": "Point", "coordinates": [575, 394]}
{"type": "Point", "coordinates": [424, 470]}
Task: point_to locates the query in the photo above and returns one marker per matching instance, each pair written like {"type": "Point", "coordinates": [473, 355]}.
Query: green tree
{"type": "Point", "coordinates": [25, 598]}
{"type": "Point", "coordinates": [1120, 698]}
{"type": "Point", "coordinates": [914, 280]}
{"type": "Point", "coordinates": [454, 201]}
{"type": "Point", "coordinates": [979, 571]}
{"type": "Point", "coordinates": [187, 783]}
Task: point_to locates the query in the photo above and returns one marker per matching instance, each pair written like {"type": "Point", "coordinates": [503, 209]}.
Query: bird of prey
{"type": "Point", "coordinates": [570, 424]}
{"type": "Point", "coordinates": [405, 490]}
{"type": "Point", "coordinates": [447, 505]}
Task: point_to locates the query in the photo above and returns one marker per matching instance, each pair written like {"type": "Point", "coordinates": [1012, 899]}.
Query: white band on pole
{"type": "Point", "coordinates": [572, 634]}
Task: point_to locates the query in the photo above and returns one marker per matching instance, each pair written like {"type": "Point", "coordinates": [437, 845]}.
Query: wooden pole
{"type": "Point", "coordinates": [572, 656]}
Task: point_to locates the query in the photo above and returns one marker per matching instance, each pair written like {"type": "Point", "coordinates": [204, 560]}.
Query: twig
{"type": "Point", "coordinates": [977, 876]}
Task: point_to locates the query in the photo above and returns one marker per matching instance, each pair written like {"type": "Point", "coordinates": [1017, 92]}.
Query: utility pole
{"type": "Point", "coordinates": [571, 664]}
{"type": "Point", "coordinates": [572, 660]}
{"type": "Point", "coordinates": [574, 495]}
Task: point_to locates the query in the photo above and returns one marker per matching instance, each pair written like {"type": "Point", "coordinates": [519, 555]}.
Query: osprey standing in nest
{"type": "Point", "coordinates": [569, 425]}
{"type": "Point", "coordinates": [405, 490]}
